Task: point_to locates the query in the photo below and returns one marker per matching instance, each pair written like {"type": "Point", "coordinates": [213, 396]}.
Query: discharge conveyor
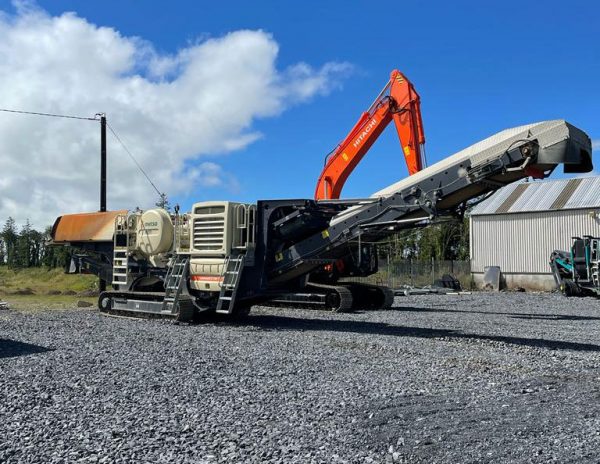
{"type": "Point", "coordinates": [532, 150]}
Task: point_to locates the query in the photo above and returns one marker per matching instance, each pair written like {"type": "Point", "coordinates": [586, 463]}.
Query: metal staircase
{"type": "Point", "coordinates": [174, 282]}
{"type": "Point", "coordinates": [231, 279]}
{"type": "Point", "coordinates": [120, 274]}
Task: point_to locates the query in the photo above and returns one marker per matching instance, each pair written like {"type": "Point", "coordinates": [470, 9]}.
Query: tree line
{"type": "Point", "coordinates": [28, 247]}
{"type": "Point", "coordinates": [446, 241]}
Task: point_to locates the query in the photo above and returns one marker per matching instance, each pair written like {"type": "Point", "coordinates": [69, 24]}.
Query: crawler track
{"type": "Point", "coordinates": [105, 305]}
{"type": "Point", "coordinates": [345, 297]}
{"type": "Point", "coordinates": [369, 296]}
{"type": "Point", "coordinates": [338, 298]}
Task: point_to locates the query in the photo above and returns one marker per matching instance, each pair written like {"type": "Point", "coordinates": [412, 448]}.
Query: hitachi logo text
{"type": "Point", "coordinates": [364, 133]}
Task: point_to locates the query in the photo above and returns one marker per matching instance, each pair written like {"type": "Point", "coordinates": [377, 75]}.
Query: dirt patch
{"type": "Point", "coordinates": [88, 293]}
{"type": "Point", "coordinates": [84, 304]}
{"type": "Point", "coordinates": [22, 291]}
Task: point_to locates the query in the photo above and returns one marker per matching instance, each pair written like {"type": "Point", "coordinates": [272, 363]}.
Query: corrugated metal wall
{"type": "Point", "coordinates": [522, 242]}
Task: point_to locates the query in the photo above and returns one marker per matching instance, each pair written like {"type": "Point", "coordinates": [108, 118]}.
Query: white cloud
{"type": "Point", "coordinates": [171, 110]}
{"type": "Point", "coordinates": [596, 144]}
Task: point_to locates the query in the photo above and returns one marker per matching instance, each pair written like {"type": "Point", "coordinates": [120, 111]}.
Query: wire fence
{"type": "Point", "coordinates": [415, 273]}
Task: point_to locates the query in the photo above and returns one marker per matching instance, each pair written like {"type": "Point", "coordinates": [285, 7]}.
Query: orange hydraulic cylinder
{"type": "Point", "coordinates": [408, 121]}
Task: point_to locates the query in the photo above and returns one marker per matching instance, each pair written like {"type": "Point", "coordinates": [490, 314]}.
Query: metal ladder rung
{"type": "Point", "coordinates": [120, 264]}
{"type": "Point", "coordinates": [231, 278]}
{"type": "Point", "coordinates": [174, 281]}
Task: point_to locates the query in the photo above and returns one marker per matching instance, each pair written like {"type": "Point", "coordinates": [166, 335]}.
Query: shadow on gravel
{"type": "Point", "coordinates": [269, 322]}
{"type": "Point", "coordinates": [546, 317]}
{"type": "Point", "coordinates": [13, 348]}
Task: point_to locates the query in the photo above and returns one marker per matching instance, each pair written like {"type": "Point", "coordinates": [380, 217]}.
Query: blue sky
{"type": "Point", "coordinates": [478, 68]}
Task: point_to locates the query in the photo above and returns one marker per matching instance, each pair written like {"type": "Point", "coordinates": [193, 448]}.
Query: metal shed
{"type": "Point", "coordinates": [521, 224]}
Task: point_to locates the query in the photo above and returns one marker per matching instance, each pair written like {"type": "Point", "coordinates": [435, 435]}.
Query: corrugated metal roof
{"type": "Point", "coordinates": [566, 194]}
{"type": "Point", "coordinates": [549, 195]}
{"type": "Point", "coordinates": [512, 198]}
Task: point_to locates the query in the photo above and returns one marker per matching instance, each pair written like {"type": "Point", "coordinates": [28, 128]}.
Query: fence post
{"type": "Point", "coordinates": [389, 275]}
{"type": "Point", "coordinates": [432, 270]}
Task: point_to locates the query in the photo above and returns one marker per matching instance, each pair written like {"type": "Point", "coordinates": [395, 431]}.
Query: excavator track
{"type": "Point", "coordinates": [338, 298]}
{"type": "Point", "coordinates": [347, 296]}
{"type": "Point", "coordinates": [370, 296]}
{"type": "Point", "coordinates": [186, 307]}
{"type": "Point", "coordinates": [335, 298]}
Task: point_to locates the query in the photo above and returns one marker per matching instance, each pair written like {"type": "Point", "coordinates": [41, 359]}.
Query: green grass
{"type": "Point", "coordinates": [37, 302]}
{"type": "Point", "coordinates": [42, 287]}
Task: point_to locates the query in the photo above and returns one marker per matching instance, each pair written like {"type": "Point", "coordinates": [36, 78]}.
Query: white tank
{"type": "Point", "coordinates": [154, 232]}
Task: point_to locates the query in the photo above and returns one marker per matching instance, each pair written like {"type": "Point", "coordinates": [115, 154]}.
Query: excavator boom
{"type": "Point", "coordinates": [398, 101]}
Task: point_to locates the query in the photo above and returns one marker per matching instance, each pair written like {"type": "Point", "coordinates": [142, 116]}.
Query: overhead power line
{"type": "Point", "coordinates": [96, 117]}
{"type": "Point", "coordinates": [51, 115]}
{"type": "Point", "coordinates": [133, 158]}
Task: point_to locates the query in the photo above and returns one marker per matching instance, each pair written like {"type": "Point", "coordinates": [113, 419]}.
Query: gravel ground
{"type": "Point", "coordinates": [472, 378]}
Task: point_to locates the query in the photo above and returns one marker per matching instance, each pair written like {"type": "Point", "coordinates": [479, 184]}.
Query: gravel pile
{"type": "Point", "coordinates": [441, 378]}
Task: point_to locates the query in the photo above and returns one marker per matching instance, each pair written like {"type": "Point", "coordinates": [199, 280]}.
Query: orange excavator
{"type": "Point", "coordinates": [398, 101]}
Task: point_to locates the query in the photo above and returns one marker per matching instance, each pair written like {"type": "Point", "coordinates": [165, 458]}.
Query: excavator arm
{"type": "Point", "coordinates": [398, 101]}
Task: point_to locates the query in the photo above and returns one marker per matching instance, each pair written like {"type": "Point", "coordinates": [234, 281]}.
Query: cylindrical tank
{"type": "Point", "coordinates": [154, 232]}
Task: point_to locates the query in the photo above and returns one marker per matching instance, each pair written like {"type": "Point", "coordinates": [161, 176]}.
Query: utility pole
{"type": "Point", "coordinates": [102, 162]}
{"type": "Point", "coordinates": [102, 282]}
